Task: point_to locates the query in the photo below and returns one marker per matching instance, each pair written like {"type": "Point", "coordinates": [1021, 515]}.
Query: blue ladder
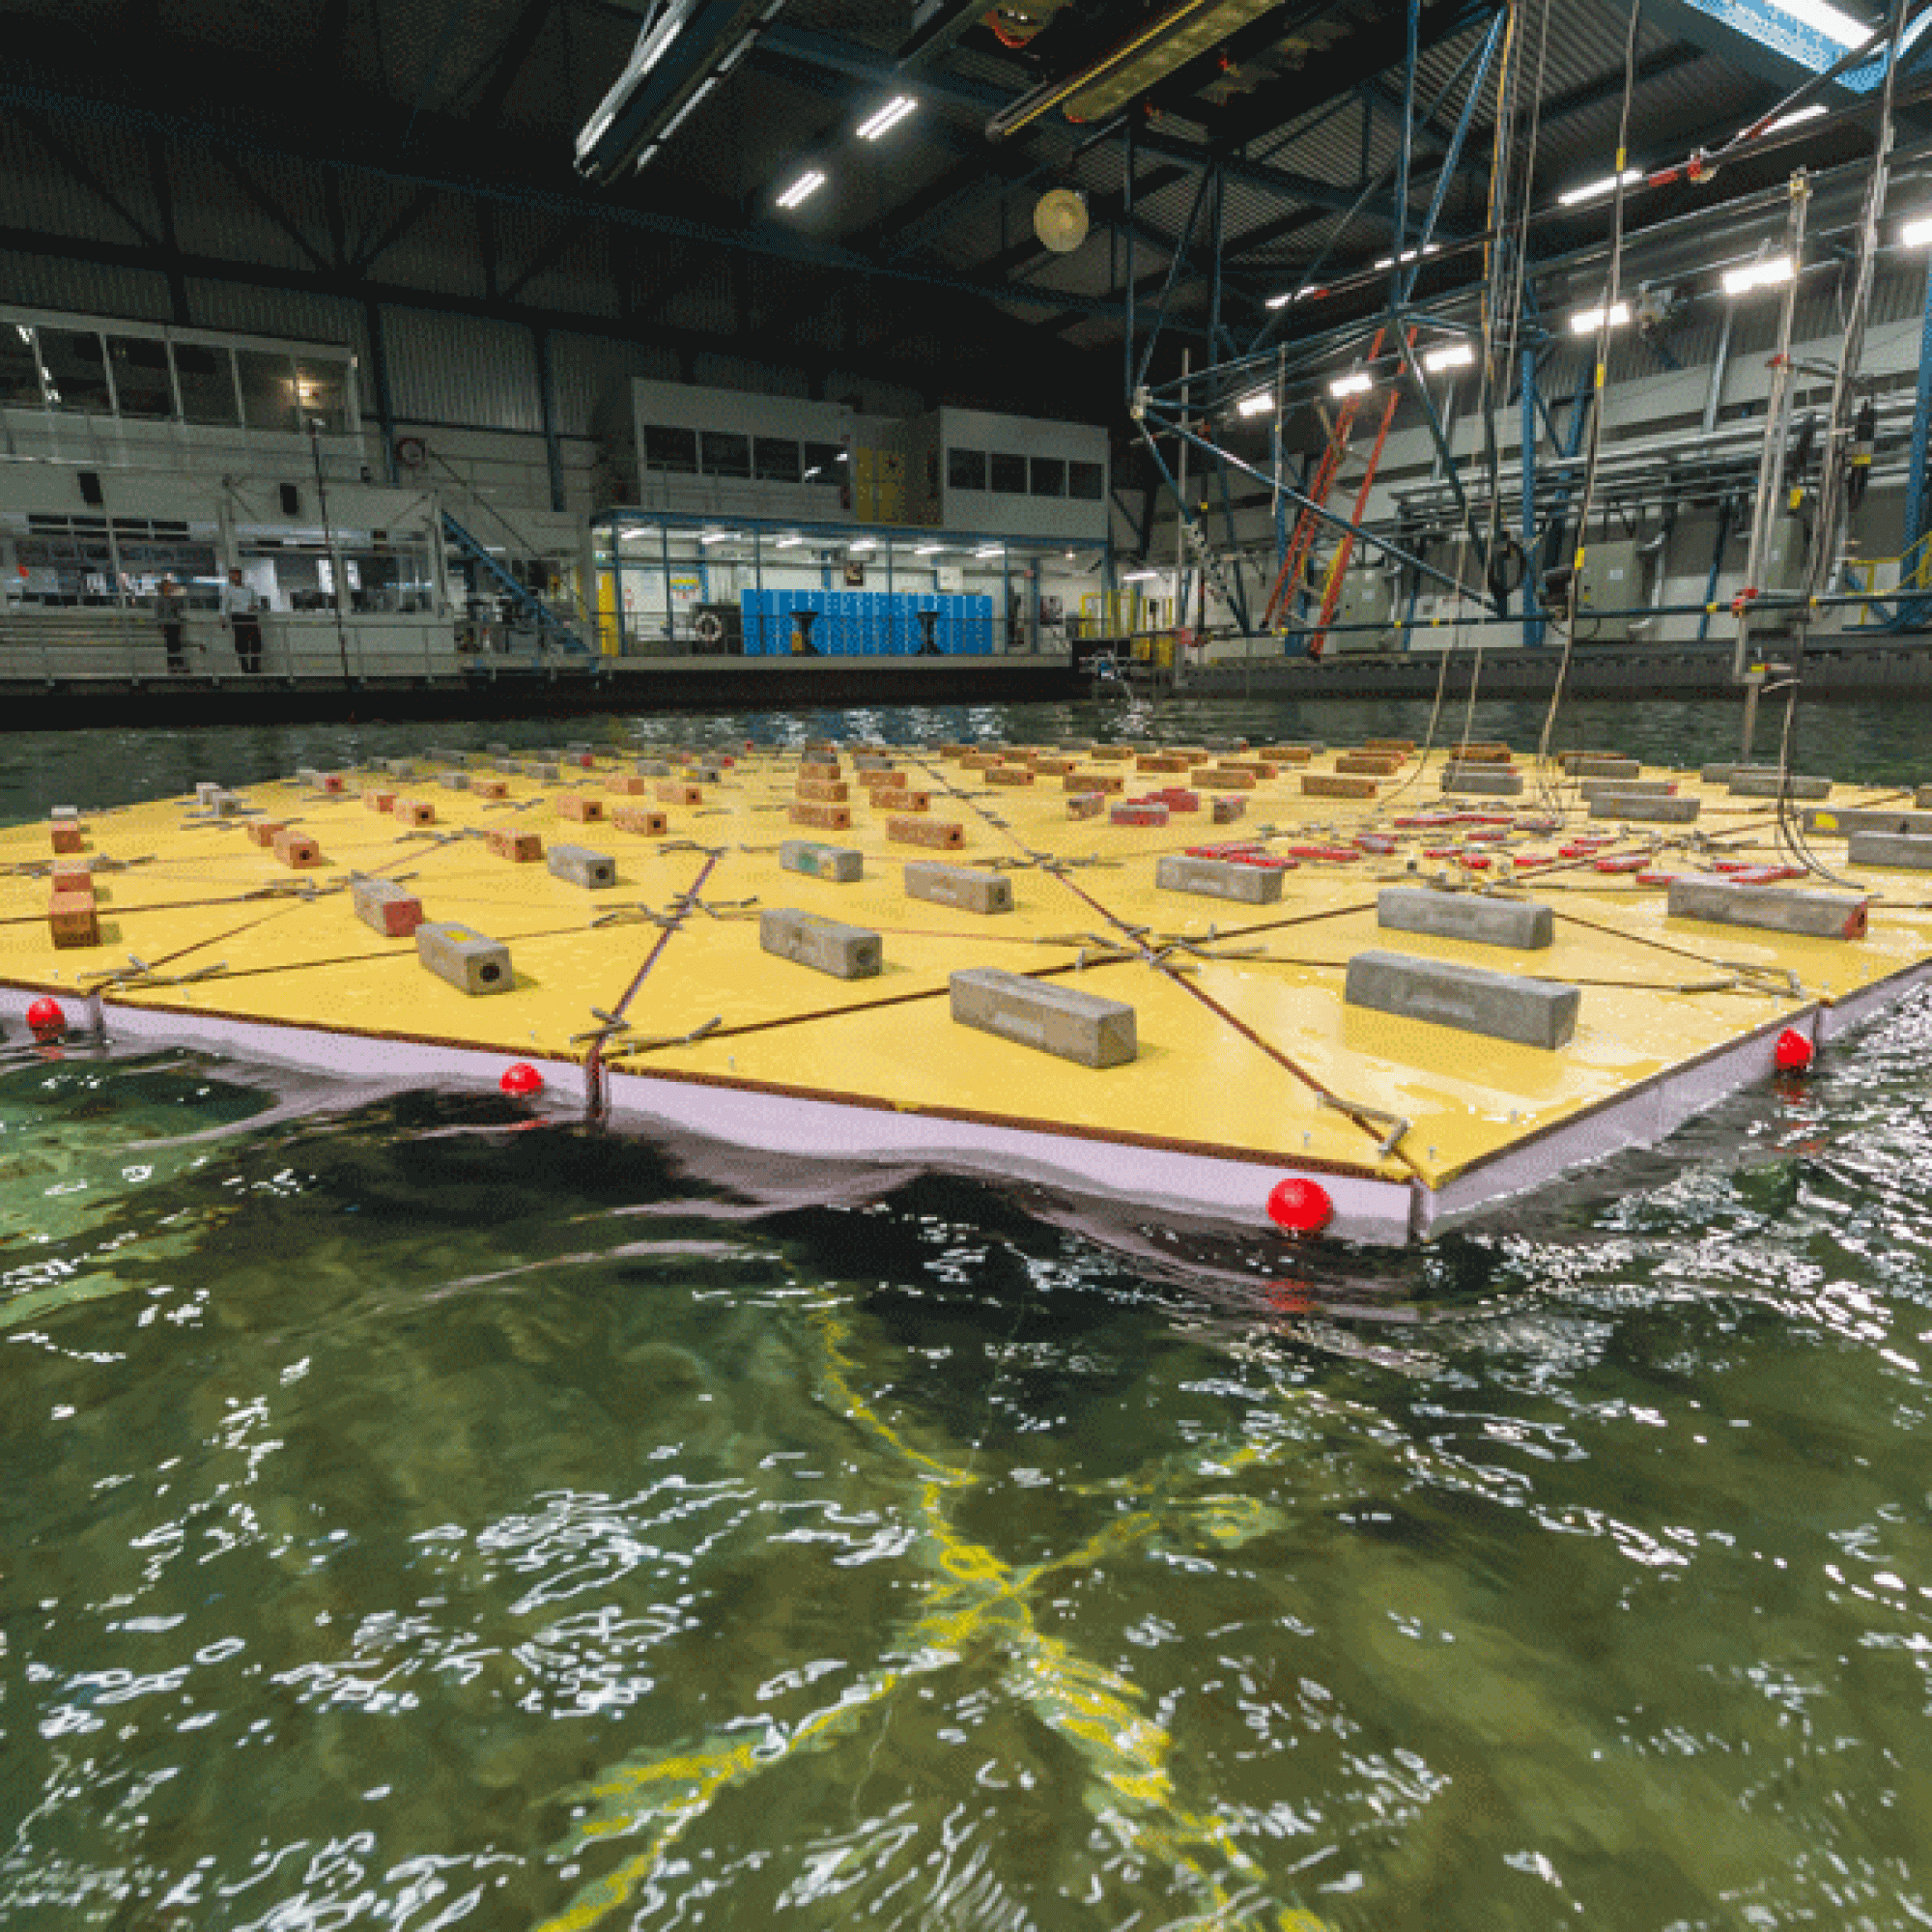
{"type": "Point", "coordinates": [550, 626]}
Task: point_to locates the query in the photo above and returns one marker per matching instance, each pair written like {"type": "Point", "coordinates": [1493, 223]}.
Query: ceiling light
{"type": "Point", "coordinates": [1140, 576]}
{"type": "Point", "coordinates": [1257, 405]}
{"type": "Point", "coordinates": [991, 550]}
{"type": "Point", "coordinates": [789, 543]}
{"type": "Point", "coordinates": [1451, 355]}
{"type": "Point", "coordinates": [1296, 295]}
{"type": "Point", "coordinates": [1587, 321]}
{"type": "Point", "coordinates": [1359, 383]}
{"type": "Point", "coordinates": [886, 117]}
{"type": "Point", "coordinates": [1824, 19]}
{"type": "Point", "coordinates": [1596, 190]}
{"type": "Point", "coordinates": [1918, 234]}
{"type": "Point", "coordinates": [808, 183]}
{"type": "Point", "coordinates": [928, 549]}
{"type": "Point", "coordinates": [1795, 118]}
{"type": "Point", "coordinates": [715, 536]}
{"type": "Point", "coordinates": [1764, 275]}
{"type": "Point", "coordinates": [865, 542]}
{"type": "Point", "coordinates": [1409, 255]}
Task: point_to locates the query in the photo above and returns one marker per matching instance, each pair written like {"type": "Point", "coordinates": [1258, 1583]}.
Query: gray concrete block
{"type": "Point", "coordinates": [496, 750]}
{"type": "Point", "coordinates": [1519, 924]}
{"type": "Point", "coordinates": [1041, 1013]}
{"type": "Point", "coordinates": [838, 863]}
{"type": "Point", "coordinates": [1767, 785]}
{"type": "Point", "coordinates": [65, 815]}
{"type": "Point", "coordinates": [1922, 798]}
{"type": "Point", "coordinates": [1842, 820]}
{"type": "Point", "coordinates": [962, 886]}
{"type": "Point", "coordinates": [1628, 789]}
{"type": "Point", "coordinates": [1772, 908]}
{"type": "Point", "coordinates": [1219, 879]}
{"type": "Point", "coordinates": [1720, 775]}
{"type": "Point", "coordinates": [455, 780]}
{"type": "Point", "coordinates": [509, 767]}
{"type": "Point", "coordinates": [389, 908]}
{"type": "Point", "coordinates": [1605, 768]}
{"type": "Point", "coordinates": [1645, 806]}
{"type": "Point", "coordinates": [582, 867]}
{"type": "Point", "coordinates": [538, 768]}
{"type": "Point", "coordinates": [207, 792]}
{"type": "Point", "coordinates": [825, 945]}
{"type": "Point", "coordinates": [1903, 851]}
{"type": "Point", "coordinates": [1532, 1012]}
{"type": "Point", "coordinates": [467, 959]}
{"type": "Point", "coordinates": [655, 768]}
{"type": "Point", "coordinates": [1492, 781]}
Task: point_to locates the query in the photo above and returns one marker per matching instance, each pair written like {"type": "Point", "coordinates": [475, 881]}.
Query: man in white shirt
{"type": "Point", "coordinates": [238, 606]}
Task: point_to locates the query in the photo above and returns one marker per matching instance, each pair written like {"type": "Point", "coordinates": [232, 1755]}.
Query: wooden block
{"type": "Point", "coordinates": [902, 801]}
{"type": "Point", "coordinates": [379, 800]}
{"type": "Point", "coordinates": [1320, 785]}
{"type": "Point", "coordinates": [1225, 778]}
{"type": "Point", "coordinates": [671, 792]}
{"type": "Point", "coordinates": [639, 819]}
{"type": "Point", "coordinates": [1010, 775]}
{"type": "Point", "coordinates": [1290, 754]}
{"type": "Point", "coordinates": [1227, 809]}
{"type": "Point", "coordinates": [72, 920]}
{"type": "Point", "coordinates": [1085, 783]}
{"type": "Point", "coordinates": [875, 776]}
{"type": "Point", "coordinates": [68, 838]}
{"type": "Point", "coordinates": [825, 791]}
{"type": "Point", "coordinates": [1086, 804]}
{"type": "Point", "coordinates": [944, 833]}
{"type": "Point", "coordinates": [1162, 761]}
{"type": "Point", "coordinates": [489, 788]}
{"type": "Point", "coordinates": [265, 831]}
{"type": "Point", "coordinates": [827, 818]}
{"type": "Point", "coordinates": [1255, 768]}
{"type": "Point", "coordinates": [1140, 812]}
{"type": "Point", "coordinates": [1480, 755]}
{"type": "Point", "coordinates": [630, 784]}
{"type": "Point", "coordinates": [979, 761]}
{"type": "Point", "coordinates": [1369, 765]}
{"type": "Point", "coordinates": [1055, 768]}
{"type": "Point", "coordinates": [1403, 747]}
{"type": "Point", "coordinates": [579, 808]}
{"type": "Point", "coordinates": [520, 847]}
{"type": "Point", "coordinates": [297, 848]}
{"type": "Point", "coordinates": [1111, 753]}
{"type": "Point", "coordinates": [414, 811]}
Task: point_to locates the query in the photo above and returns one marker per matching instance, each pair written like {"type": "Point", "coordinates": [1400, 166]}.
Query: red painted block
{"type": "Point", "coordinates": [808, 811]}
{"type": "Point", "coordinates": [944, 833]}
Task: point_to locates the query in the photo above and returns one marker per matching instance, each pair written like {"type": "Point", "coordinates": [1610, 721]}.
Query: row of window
{"type": "Point", "coordinates": [1025, 477]}
{"type": "Point", "coordinates": [764, 459]}
{"type": "Point", "coordinates": [81, 371]}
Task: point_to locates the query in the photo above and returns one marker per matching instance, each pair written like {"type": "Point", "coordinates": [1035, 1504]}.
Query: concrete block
{"type": "Point", "coordinates": [1008, 775]}
{"type": "Point", "coordinates": [840, 864]}
{"type": "Point", "coordinates": [1772, 908]}
{"type": "Point", "coordinates": [66, 814]}
{"type": "Point", "coordinates": [1476, 754]}
{"type": "Point", "coordinates": [390, 909]}
{"type": "Point", "coordinates": [1320, 784]}
{"type": "Point", "coordinates": [1489, 780]}
{"type": "Point", "coordinates": [520, 848]}
{"type": "Point", "coordinates": [1646, 806]}
{"type": "Point", "coordinates": [454, 780]}
{"type": "Point", "coordinates": [1109, 755]}
{"type": "Point", "coordinates": [654, 768]}
{"type": "Point", "coordinates": [1162, 761]}
{"type": "Point", "coordinates": [1719, 775]}
{"type": "Point", "coordinates": [469, 961]}
{"type": "Point", "coordinates": [1086, 804]}
{"type": "Point", "coordinates": [229, 805]}
{"type": "Point", "coordinates": [1139, 812]}
{"type": "Point", "coordinates": [669, 791]}
{"type": "Point", "coordinates": [1085, 783]}
{"type": "Point", "coordinates": [826, 817]}
{"type": "Point", "coordinates": [872, 761]}
{"type": "Point", "coordinates": [845, 952]}
{"type": "Point", "coordinates": [1369, 765]}
{"type": "Point", "coordinates": [489, 788]}
{"type": "Point", "coordinates": [73, 919]}
{"type": "Point", "coordinates": [884, 800]}
{"type": "Point", "coordinates": [379, 800]}
{"type": "Point", "coordinates": [1521, 925]}
{"type": "Point", "coordinates": [579, 808]}
{"type": "Point", "coordinates": [962, 886]}
{"type": "Point", "coordinates": [265, 832]}
{"type": "Point", "coordinates": [943, 835]}
{"type": "Point", "coordinates": [206, 793]}
{"type": "Point", "coordinates": [1401, 747]}
{"type": "Point", "coordinates": [546, 770]}
{"type": "Point", "coordinates": [1843, 822]}
{"type": "Point", "coordinates": [1043, 1015]}
{"type": "Point", "coordinates": [1219, 879]}
{"type": "Point", "coordinates": [73, 878]}
{"type": "Point", "coordinates": [1628, 789]}
{"type": "Point", "coordinates": [1922, 798]}
{"type": "Point", "coordinates": [877, 778]}
{"type": "Point", "coordinates": [67, 838]}
{"type": "Point", "coordinates": [508, 767]}
{"type": "Point", "coordinates": [640, 820]}
{"type": "Point", "coordinates": [1605, 768]}
{"type": "Point", "coordinates": [414, 811]}
{"type": "Point", "coordinates": [297, 848]}
{"type": "Point", "coordinates": [825, 791]}
{"type": "Point", "coordinates": [1223, 778]}
{"type": "Point", "coordinates": [1767, 785]}
{"type": "Point", "coordinates": [581, 866]}
{"type": "Point", "coordinates": [1225, 811]}
{"type": "Point", "coordinates": [706, 774]}
{"type": "Point", "coordinates": [1903, 851]}
{"type": "Point", "coordinates": [1502, 1006]}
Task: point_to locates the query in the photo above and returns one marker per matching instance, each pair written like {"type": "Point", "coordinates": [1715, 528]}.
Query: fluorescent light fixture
{"type": "Point", "coordinates": [1140, 576]}
{"type": "Point", "coordinates": [863, 543]}
{"type": "Point", "coordinates": [1587, 321]}
{"type": "Point", "coordinates": [1293, 295]}
{"type": "Point", "coordinates": [1795, 118]}
{"type": "Point", "coordinates": [1257, 405]}
{"type": "Point", "coordinates": [1764, 275]}
{"type": "Point", "coordinates": [808, 183]}
{"type": "Point", "coordinates": [1822, 18]}
{"type": "Point", "coordinates": [1451, 355]}
{"type": "Point", "coordinates": [1358, 383]}
{"type": "Point", "coordinates": [1597, 189]}
{"type": "Point", "coordinates": [845, 456]}
{"type": "Point", "coordinates": [1410, 255]}
{"type": "Point", "coordinates": [886, 117]}
{"type": "Point", "coordinates": [928, 549]}
{"type": "Point", "coordinates": [715, 536]}
{"type": "Point", "coordinates": [789, 543]}
{"type": "Point", "coordinates": [1918, 234]}
{"type": "Point", "coordinates": [991, 550]}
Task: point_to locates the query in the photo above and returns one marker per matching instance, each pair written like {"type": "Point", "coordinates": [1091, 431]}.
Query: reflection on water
{"type": "Point", "coordinates": [400, 1528]}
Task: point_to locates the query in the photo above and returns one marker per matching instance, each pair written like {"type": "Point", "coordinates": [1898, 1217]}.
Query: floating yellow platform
{"type": "Point", "coordinates": [652, 1000]}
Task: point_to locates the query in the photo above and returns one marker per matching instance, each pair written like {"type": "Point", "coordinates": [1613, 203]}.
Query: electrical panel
{"type": "Point", "coordinates": [1367, 600]}
{"type": "Point", "coordinates": [1610, 592]}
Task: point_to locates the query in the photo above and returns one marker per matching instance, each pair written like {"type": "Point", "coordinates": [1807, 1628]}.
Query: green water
{"type": "Point", "coordinates": [411, 1516]}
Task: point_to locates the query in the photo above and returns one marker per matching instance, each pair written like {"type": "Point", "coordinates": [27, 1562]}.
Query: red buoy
{"type": "Point", "coordinates": [1301, 1207]}
{"type": "Point", "coordinates": [522, 1082]}
{"type": "Point", "coordinates": [45, 1020]}
{"type": "Point", "coordinates": [1793, 1053]}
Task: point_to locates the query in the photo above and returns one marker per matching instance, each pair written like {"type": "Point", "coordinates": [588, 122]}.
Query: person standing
{"type": "Point", "coordinates": [239, 605]}
{"type": "Point", "coordinates": [171, 613]}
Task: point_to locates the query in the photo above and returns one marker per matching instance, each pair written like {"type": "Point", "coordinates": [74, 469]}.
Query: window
{"type": "Point", "coordinates": [76, 371]}
{"type": "Point", "coordinates": [1009, 475]}
{"type": "Point", "coordinates": [19, 367]}
{"type": "Point", "coordinates": [268, 389]}
{"type": "Point", "coordinates": [672, 449]}
{"type": "Point", "coordinates": [322, 392]}
{"type": "Point", "coordinates": [1049, 476]}
{"type": "Point", "coordinates": [966, 468]}
{"type": "Point", "coordinates": [824, 465]}
{"type": "Point", "coordinates": [142, 385]}
{"type": "Point", "coordinates": [725, 455]}
{"type": "Point", "coordinates": [207, 379]}
{"type": "Point", "coordinates": [777, 460]}
{"type": "Point", "coordinates": [1088, 481]}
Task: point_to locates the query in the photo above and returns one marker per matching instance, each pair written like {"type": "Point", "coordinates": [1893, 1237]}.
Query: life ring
{"type": "Point", "coordinates": [412, 453]}
{"type": "Point", "coordinates": [709, 626]}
